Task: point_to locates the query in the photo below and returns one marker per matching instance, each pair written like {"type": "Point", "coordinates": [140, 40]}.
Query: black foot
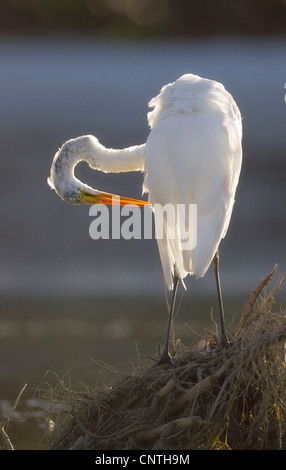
{"type": "Point", "coordinates": [225, 343]}
{"type": "Point", "coordinates": [165, 359]}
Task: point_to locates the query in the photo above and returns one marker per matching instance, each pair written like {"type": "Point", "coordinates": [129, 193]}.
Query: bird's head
{"type": "Point", "coordinates": [80, 194]}
{"type": "Point", "coordinates": [76, 192]}
{"type": "Point", "coordinates": [71, 189]}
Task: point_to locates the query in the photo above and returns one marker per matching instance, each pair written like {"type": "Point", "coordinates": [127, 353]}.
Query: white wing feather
{"type": "Point", "coordinates": [193, 156]}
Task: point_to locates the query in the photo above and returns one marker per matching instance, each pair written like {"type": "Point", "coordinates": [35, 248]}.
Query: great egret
{"type": "Point", "coordinates": [192, 155]}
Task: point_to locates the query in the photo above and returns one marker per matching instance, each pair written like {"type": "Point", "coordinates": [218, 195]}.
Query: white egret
{"type": "Point", "coordinates": [192, 155]}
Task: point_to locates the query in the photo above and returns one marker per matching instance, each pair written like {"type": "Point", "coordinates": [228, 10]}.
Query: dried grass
{"type": "Point", "coordinates": [214, 398]}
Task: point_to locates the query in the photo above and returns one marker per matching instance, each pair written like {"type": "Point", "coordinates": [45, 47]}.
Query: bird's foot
{"type": "Point", "coordinates": [165, 359]}
{"type": "Point", "coordinates": [226, 343]}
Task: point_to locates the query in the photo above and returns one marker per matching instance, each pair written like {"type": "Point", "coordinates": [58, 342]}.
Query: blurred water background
{"type": "Point", "coordinates": [69, 304]}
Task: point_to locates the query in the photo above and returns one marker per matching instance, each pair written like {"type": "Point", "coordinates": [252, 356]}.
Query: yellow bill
{"type": "Point", "coordinates": [109, 199]}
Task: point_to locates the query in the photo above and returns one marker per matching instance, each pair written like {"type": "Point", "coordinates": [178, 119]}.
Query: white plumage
{"type": "Point", "coordinates": [192, 155]}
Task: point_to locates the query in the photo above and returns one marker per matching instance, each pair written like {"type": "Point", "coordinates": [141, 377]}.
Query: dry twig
{"type": "Point", "coordinates": [232, 398]}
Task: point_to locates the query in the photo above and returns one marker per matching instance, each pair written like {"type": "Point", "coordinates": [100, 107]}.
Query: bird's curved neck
{"type": "Point", "coordinates": [88, 148]}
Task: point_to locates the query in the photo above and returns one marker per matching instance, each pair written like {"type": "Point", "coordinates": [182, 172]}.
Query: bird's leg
{"type": "Point", "coordinates": [165, 355]}
{"type": "Point", "coordinates": [223, 337]}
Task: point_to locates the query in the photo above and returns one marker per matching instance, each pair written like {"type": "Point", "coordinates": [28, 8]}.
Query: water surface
{"type": "Point", "coordinates": [69, 304]}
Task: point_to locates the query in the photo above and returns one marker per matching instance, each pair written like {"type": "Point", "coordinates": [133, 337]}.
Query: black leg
{"type": "Point", "coordinates": [223, 337]}
{"type": "Point", "coordinates": [165, 355]}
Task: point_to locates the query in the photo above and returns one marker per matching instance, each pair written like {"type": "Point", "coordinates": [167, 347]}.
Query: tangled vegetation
{"type": "Point", "coordinates": [214, 398]}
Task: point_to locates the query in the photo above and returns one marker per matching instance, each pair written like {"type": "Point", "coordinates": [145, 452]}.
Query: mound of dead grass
{"type": "Point", "coordinates": [214, 398]}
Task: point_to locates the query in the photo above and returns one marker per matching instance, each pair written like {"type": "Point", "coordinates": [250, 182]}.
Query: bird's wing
{"type": "Point", "coordinates": [193, 158]}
